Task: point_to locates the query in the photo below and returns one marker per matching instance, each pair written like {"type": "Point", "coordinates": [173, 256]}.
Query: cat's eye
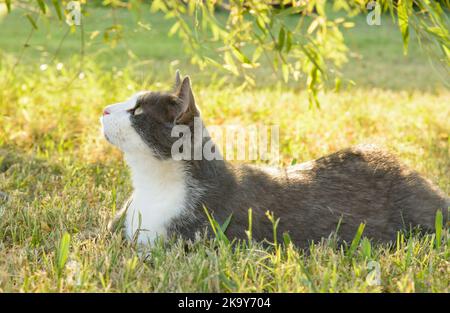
{"type": "Point", "coordinates": [136, 110]}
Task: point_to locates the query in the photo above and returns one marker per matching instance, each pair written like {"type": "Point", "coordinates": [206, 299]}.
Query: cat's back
{"type": "Point", "coordinates": [351, 180]}
{"type": "Point", "coordinates": [356, 180]}
{"type": "Point", "coordinates": [361, 160]}
{"type": "Point", "coordinates": [362, 171]}
{"type": "Point", "coordinates": [364, 183]}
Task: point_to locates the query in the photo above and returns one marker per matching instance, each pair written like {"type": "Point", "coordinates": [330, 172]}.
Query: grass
{"type": "Point", "coordinates": [60, 182]}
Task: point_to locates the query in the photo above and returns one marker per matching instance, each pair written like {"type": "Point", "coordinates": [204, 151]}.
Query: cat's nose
{"type": "Point", "coordinates": [106, 112]}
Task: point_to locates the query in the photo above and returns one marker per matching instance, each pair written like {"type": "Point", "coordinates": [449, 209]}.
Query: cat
{"type": "Point", "coordinates": [362, 184]}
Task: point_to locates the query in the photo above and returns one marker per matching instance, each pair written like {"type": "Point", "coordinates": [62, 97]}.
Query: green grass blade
{"type": "Point", "coordinates": [439, 224]}
{"type": "Point", "coordinates": [224, 226]}
{"type": "Point", "coordinates": [63, 252]}
{"type": "Point", "coordinates": [356, 239]}
{"type": "Point", "coordinates": [250, 226]}
{"type": "Point", "coordinates": [219, 230]}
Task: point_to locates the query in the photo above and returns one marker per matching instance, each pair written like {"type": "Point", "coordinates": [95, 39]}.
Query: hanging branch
{"type": "Point", "coordinates": [315, 47]}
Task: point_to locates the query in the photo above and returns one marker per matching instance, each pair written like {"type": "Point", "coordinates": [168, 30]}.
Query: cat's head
{"type": "Point", "coordinates": [144, 122]}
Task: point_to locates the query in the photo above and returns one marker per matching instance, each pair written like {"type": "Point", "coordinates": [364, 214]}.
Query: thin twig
{"type": "Point", "coordinates": [58, 49]}
{"type": "Point", "coordinates": [22, 52]}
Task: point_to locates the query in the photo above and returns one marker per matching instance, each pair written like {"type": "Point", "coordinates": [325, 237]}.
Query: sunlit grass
{"type": "Point", "coordinates": [60, 182]}
{"type": "Point", "coordinates": [60, 176]}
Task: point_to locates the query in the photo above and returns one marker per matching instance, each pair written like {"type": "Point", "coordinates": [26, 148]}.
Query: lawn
{"type": "Point", "coordinates": [60, 182]}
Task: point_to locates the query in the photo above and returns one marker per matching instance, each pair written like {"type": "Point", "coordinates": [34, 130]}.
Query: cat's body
{"type": "Point", "coordinates": [360, 184]}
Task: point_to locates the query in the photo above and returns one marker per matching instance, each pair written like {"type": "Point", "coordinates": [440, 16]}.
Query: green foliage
{"type": "Point", "coordinates": [252, 33]}
{"type": "Point", "coordinates": [8, 5]}
{"type": "Point", "coordinates": [404, 8]}
{"type": "Point", "coordinates": [42, 6]}
{"type": "Point", "coordinates": [32, 21]}
{"type": "Point", "coordinates": [57, 6]}
{"type": "Point", "coordinates": [313, 46]}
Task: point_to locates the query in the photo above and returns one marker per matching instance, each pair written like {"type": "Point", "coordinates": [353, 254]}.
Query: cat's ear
{"type": "Point", "coordinates": [189, 108]}
{"type": "Point", "coordinates": [177, 80]}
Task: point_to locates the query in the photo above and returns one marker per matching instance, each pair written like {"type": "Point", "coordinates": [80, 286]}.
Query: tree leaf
{"type": "Point", "coordinates": [239, 55]}
{"type": "Point", "coordinates": [288, 41]}
{"type": "Point", "coordinates": [174, 28]}
{"type": "Point", "coordinates": [8, 5]}
{"type": "Point", "coordinates": [295, 9]}
{"type": "Point", "coordinates": [42, 6]}
{"type": "Point", "coordinates": [403, 10]}
{"type": "Point", "coordinates": [58, 10]}
{"type": "Point", "coordinates": [261, 25]}
{"type": "Point", "coordinates": [229, 63]}
{"type": "Point", "coordinates": [32, 21]}
{"type": "Point", "coordinates": [281, 37]}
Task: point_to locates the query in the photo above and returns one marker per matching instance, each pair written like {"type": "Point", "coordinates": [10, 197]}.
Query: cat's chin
{"type": "Point", "coordinates": [107, 139]}
{"type": "Point", "coordinates": [103, 131]}
{"type": "Point", "coordinates": [111, 142]}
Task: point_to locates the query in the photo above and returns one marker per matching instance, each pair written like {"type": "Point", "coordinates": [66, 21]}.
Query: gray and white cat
{"type": "Point", "coordinates": [358, 184]}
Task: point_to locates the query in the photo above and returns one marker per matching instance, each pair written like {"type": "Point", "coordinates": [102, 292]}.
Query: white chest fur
{"type": "Point", "coordinates": [159, 196]}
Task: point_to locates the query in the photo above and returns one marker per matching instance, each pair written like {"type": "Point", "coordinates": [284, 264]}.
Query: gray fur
{"type": "Point", "coordinates": [355, 185]}
{"type": "Point", "coordinates": [359, 184]}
